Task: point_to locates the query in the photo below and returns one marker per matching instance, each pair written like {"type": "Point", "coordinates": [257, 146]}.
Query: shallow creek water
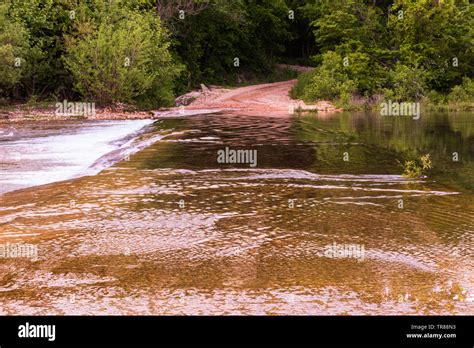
{"type": "Point", "coordinates": [169, 230]}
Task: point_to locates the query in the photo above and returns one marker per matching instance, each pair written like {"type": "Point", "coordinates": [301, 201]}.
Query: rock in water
{"type": "Point", "coordinates": [204, 89]}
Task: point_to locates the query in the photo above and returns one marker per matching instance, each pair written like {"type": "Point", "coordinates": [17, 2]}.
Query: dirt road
{"type": "Point", "coordinates": [256, 99]}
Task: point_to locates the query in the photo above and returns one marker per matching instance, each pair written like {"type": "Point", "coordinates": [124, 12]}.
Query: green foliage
{"type": "Point", "coordinates": [304, 80]}
{"type": "Point", "coordinates": [463, 93]}
{"type": "Point", "coordinates": [301, 45]}
{"type": "Point", "coordinates": [406, 83]}
{"type": "Point", "coordinates": [71, 47]}
{"type": "Point", "coordinates": [46, 22]}
{"type": "Point", "coordinates": [13, 46]}
{"type": "Point", "coordinates": [405, 49]}
{"type": "Point", "coordinates": [124, 58]}
{"type": "Point", "coordinates": [210, 40]}
{"type": "Point", "coordinates": [435, 98]}
{"type": "Point", "coordinates": [328, 81]}
{"type": "Point", "coordinates": [416, 168]}
{"type": "Point", "coordinates": [434, 35]}
{"type": "Point", "coordinates": [356, 32]}
{"type": "Point", "coordinates": [401, 48]}
{"type": "Point", "coordinates": [358, 64]}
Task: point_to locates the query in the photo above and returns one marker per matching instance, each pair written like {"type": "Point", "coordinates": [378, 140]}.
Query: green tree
{"type": "Point", "coordinates": [46, 22]}
{"type": "Point", "coordinates": [406, 49]}
{"type": "Point", "coordinates": [13, 47]}
{"type": "Point", "coordinates": [210, 38]}
{"type": "Point", "coordinates": [357, 32]}
{"type": "Point", "coordinates": [123, 57]}
{"type": "Point", "coordinates": [437, 36]}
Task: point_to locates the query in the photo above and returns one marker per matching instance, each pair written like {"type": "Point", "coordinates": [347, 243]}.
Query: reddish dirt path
{"type": "Point", "coordinates": [256, 99]}
{"type": "Point", "coordinates": [268, 96]}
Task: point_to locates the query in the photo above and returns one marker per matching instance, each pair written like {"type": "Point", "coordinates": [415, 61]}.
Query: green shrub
{"type": "Point", "coordinates": [329, 81]}
{"type": "Point", "coordinates": [435, 98]}
{"type": "Point", "coordinates": [406, 83]}
{"type": "Point", "coordinates": [463, 93]}
{"type": "Point", "coordinates": [416, 168]}
{"type": "Point", "coordinates": [346, 90]}
{"type": "Point", "coordinates": [209, 40]}
{"type": "Point", "coordinates": [401, 49]}
{"type": "Point", "coordinates": [125, 59]}
{"type": "Point", "coordinates": [304, 79]}
{"type": "Point", "coordinates": [364, 73]}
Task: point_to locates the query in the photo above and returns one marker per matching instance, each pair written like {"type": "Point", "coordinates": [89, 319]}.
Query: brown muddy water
{"type": "Point", "coordinates": [323, 224]}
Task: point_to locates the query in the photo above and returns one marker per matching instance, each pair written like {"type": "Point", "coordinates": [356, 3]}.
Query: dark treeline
{"type": "Point", "coordinates": [144, 52]}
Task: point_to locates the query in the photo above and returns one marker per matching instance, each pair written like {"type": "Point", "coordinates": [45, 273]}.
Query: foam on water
{"type": "Point", "coordinates": [37, 156]}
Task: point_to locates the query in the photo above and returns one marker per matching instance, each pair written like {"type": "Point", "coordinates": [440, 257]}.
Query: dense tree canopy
{"type": "Point", "coordinates": [146, 51]}
{"type": "Point", "coordinates": [405, 49]}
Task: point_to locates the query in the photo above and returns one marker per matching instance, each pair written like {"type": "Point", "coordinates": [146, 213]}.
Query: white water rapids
{"type": "Point", "coordinates": [32, 155]}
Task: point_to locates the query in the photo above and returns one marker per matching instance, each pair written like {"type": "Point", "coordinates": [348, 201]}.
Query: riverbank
{"type": "Point", "coordinates": [47, 112]}
{"type": "Point", "coordinates": [258, 99]}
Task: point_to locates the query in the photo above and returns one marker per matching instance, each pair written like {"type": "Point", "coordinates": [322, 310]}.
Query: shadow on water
{"type": "Point", "coordinates": [324, 224]}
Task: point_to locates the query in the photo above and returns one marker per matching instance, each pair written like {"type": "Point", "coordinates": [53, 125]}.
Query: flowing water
{"type": "Point", "coordinates": [170, 230]}
{"type": "Point", "coordinates": [33, 154]}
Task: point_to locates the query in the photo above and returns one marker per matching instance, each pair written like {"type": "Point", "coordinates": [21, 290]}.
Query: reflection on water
{"type": "Point", "coordinates": [171, 231]}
